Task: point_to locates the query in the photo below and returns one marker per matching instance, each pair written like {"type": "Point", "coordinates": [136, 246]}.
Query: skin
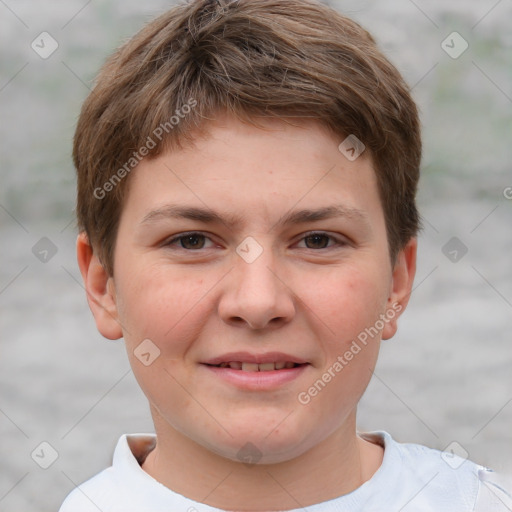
{"type": "Point", "coordinates": [309, 297]}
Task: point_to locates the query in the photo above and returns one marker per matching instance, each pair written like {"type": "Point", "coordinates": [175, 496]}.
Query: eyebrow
{"type": "Point", "coordinates": [208, 216]}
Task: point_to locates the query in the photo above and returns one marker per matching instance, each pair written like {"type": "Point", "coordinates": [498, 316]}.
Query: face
{"type": "Point", "coordinates": [253, 250]}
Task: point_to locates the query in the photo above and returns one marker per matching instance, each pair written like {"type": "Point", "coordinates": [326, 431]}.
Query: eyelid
{"type": "Point", "coordinates": [339, 240]}
{"type": "Point", "coordinates": [175, 238]}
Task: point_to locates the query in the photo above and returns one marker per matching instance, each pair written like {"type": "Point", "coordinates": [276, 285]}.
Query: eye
{"type": "Point", "coordinates": [189, 241]}
{"type": "Point", "coordinates": [321, 241]}
{"type": "Point", "coordinates": [195, 241]}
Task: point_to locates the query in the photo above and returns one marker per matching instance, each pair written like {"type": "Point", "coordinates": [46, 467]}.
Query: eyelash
{"type": "Point", "coordinates": [338, 241]}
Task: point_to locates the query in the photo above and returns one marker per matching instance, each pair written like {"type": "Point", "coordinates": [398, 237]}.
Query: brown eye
{"type": "Point", "coordinates": [321, 240]}
{"type": "Point", "coordinates": [317, 241]}
{"type": "Point", "coordinates": [194, 241]}
{"type": "Point", "coordinates": [191, 241]}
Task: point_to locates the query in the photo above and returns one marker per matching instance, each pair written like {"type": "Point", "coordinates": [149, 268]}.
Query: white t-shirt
{"type": "Point", "coordinates": [412, 478]}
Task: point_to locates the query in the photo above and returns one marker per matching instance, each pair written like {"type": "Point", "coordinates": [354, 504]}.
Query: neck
{"type": "Point", "coordinates": [336, 466]}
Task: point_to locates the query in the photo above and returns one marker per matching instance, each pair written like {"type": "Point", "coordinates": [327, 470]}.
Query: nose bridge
{"type": "Point", "coordinates": [254, 256]}
{"type": "Point", "coordinates": [258, 275]}
{"type": "Point", "coordinates": [255, 293]}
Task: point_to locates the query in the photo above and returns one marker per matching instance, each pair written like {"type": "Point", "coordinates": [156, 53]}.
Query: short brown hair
{"type": "Point", "coordinates": [249, 58]}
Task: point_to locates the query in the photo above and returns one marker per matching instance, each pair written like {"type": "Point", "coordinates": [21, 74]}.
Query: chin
{"type": "Point", "coordinates": [255, 441]}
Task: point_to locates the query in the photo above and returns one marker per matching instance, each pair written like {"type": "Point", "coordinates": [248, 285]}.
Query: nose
{"type": "Point", "coordinates": [256, 295]}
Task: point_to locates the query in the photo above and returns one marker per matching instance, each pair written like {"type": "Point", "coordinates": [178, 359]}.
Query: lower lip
{"type": "Point", "coordinates": [258, 381]}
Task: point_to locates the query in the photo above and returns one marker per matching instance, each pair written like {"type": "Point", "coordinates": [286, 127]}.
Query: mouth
{"type": "Point", "coordinates": [258, 367]}
{"type": "Point", "coordinates": [256, 372]}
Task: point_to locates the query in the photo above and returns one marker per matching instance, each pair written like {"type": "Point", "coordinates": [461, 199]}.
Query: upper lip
{"type": "Point", "coordinates": [247, 357]}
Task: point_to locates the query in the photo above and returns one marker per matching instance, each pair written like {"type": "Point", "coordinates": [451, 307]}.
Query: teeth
{"type": "Point", "coordinates": [255, 367]}
{"type": "Point", "coordinates": [250, 367]}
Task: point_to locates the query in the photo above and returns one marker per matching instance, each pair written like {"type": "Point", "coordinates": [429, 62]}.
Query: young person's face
{"type": "Point", "coordinates": [283, 250]}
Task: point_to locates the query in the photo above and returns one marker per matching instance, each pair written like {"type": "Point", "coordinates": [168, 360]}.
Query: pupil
{"type": "Point", "coordinates": [192, 242]}
{"type": "Point", "coordinates": [318, 241]}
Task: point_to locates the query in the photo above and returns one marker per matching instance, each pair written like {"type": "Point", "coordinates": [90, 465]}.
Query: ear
{"type": "Point", "coordinates": [401, 287]}
{"type": "Point", "coordinates": [100, 290]}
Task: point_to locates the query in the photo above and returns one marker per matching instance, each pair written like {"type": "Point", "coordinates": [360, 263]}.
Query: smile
{"type": "Point", "coordinates": [253, 377]}
{"type": "Point", "coordinates": [257, 367]}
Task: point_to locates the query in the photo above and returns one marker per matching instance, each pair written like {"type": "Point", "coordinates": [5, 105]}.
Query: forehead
{"type": "Point", "coordinates": [256, 170]}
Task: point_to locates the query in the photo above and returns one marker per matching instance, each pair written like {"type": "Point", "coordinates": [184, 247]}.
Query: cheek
{"type": "Point", "coordinates": [346, 307]}
{"type": "Point", "coordinates": [345, 301]}
{"type": "Point", "coordinates": [165, 305]}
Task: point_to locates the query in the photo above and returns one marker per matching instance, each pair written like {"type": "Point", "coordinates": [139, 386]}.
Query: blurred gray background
{"type": "Point", "coordinates": [446, 377]}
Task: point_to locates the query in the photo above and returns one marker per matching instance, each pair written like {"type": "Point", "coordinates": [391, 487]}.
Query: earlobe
{"type": "Point", "coordinates": [100, 290]}
{"type": "Point", "coordinates": [401, 287]}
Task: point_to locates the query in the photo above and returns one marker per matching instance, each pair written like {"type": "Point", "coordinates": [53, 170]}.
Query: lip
{"type": "Point", "coordinates": [247, 357]}
{"type": "Point", "coordinates": [257, 381]}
